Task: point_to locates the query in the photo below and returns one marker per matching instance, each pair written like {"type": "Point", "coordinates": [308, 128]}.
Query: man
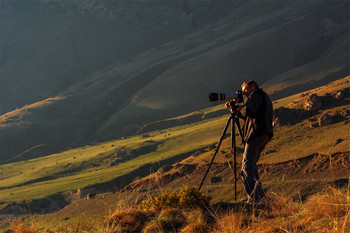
{"type": "Point", "coordinates": [257, 113]}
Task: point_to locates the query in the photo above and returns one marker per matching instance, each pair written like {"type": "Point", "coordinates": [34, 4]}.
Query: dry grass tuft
{"type": "Point", "coordinates": [186, 198]}
{"type": "Point", "coordinates": [168, 220]}
{"type": "Point", "coordinates": [130, 219]}
{"type": "Point", "coordinates": [196, 221]}
{"type": "Point", "coordinates": [18, 226]}
{"type": "Point", "coordinates": [231, 222]}
{"type": "Point", "coordinates": [332, 203]}
{"type": "Point", "coordinates": [323, 212]}
{"type": "Point", "coordinates": [328, 211]}
{"type": "Point", "coordinates": [280, 205]}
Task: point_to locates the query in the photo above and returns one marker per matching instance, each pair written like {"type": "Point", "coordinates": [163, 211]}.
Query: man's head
{"type": "Point", "coordinates": [248, 87]}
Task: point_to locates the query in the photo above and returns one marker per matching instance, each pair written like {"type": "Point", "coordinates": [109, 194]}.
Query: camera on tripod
{"type": "Point", "coordinates": [233, 100]}
{"type": "Point", "coordinates": [236, 97]}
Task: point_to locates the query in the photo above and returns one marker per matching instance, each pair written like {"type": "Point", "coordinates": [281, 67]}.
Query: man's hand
{"type": "Point", "coordinates": [227, 105]}
{"type": "Point", "coordinates": [238, 111]}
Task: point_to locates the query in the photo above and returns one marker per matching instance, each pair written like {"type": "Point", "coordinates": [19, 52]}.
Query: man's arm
{"type": "Point", "coordinates": [251, 107]}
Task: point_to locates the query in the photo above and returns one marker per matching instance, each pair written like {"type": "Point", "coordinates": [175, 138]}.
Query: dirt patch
{"type": "Point", "coordinates": [315, 166]}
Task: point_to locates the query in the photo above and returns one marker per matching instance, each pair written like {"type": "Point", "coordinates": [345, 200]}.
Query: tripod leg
{"type": "Point", "coordinates": [216, 151]}
{"type": "Point", "coordinates": [234, 148]}
{"type": "Point", "coordinates": [239, 129]}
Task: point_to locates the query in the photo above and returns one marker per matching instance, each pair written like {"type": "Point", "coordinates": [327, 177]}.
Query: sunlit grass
{"type": "Point", "coordinates": [290, 142]}
{"type": "Point", "coordinates": [19, 179]}
{"type": "Point", "coordinates": [94, 164]}
{"type": "Point", "coordinates": [326, 211]}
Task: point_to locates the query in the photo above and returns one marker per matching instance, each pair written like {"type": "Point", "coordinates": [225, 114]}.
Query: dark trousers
{"type": "Point", "coordinates": [249, 173]}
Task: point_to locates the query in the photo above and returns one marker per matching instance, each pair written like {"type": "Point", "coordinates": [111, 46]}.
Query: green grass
{"type": "Point", "coordinates": [299, 140]}
{"type": "Point", "coordinates": [69, 170]}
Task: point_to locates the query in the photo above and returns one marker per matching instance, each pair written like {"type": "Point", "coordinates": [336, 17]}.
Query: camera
{"type": "Point", "coordinates": [236, 97]}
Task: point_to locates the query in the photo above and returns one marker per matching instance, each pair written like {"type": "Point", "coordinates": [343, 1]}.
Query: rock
{"type": "Point", "coordinates": [312, 123]}
{"type": "Point", "coordinates": [90, 196]}
{"type": "Point", "coordinates": [339, 140]}
{"type": "Point", "coordinates": [312, 103]}
{"type": "Point", "coordinates": [326, 119]}
{"type": "Point", "coordinates": [277, 122]}
{"type": "Point", "coordinates": [284, 116]}
{"type": "Point", "coordinates": [215, 179]}
{"type": "Point", "coordinates": [120, 154]}
{"type": "Point", "coordinates": [164, 169]}
{"type": "Point", "coordinates": [73, 195]}
{"type": "Point", "coordinates": [268, 152]}
{"type": "Point", "coordinates": [345, 113]}
{"type": "Point", "coordinates": [339, 95]}
{"type": "Point", "coordinates": [278, 116]}
{"type": "Point", "coordinates": [197, 153]}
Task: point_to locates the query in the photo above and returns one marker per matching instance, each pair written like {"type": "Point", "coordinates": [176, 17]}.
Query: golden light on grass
{"type": "Point", "coordinates": [129, 218]}
{"type": "Point", "coordinates": [327, 211]}
{"type": "Point", "coordinates": [19, 226]}
{"type": "Point", "coordinates": [231, 222]}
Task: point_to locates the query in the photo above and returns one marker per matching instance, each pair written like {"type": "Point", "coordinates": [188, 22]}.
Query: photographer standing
{"type": "Point", "coordinates": [257, 113]}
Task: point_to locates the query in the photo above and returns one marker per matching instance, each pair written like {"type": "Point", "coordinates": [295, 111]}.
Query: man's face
{"type": "Point", "coordinates": [247, 91]}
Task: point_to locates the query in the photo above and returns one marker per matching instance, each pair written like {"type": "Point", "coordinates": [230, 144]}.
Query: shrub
{"type": "Point", "coordinates": [168, 220]}
{"type": "Point", "coordinates": [18, 226]}
{"type": "Point", "coordinates": [186, 198]}
{"type": "Point", "coordinates": [130, 219]}
{"type": "Point", "coordinates": [231, 222]}
{"type": "Point", "coordinates": [196, 221]}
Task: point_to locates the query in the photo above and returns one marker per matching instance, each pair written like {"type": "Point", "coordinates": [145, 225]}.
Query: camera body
{"type": "Point", "coordinates": [236, 97]}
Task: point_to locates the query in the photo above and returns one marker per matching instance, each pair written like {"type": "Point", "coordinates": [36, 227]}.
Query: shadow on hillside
{"type": "Point", "coordinates": [252, 209]}
{"type": "Point", "coordinates": [287, 116]}
{"type": "Point", "coordinates": [298, 88]}
{"type": "Point", "coordinates": [238, 207]}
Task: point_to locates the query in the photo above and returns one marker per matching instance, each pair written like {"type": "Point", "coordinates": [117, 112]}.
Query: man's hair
{"type": "Point", "coordinates": [250, 83]}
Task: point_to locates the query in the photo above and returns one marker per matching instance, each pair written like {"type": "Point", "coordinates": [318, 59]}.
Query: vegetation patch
{"type": "Point", "coordinates": [326, 211]}
{"type": "Point", "coordinates": [188, 197]}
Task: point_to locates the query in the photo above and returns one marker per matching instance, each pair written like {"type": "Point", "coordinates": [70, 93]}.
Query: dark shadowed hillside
{"type": "Point", "coordinates": [47, 46]}
{"type": "Point", "coordinates": [287, 46]}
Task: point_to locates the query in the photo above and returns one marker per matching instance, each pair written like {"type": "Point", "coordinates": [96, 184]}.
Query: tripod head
{"type": "Point", "coordinates": [233, 105]}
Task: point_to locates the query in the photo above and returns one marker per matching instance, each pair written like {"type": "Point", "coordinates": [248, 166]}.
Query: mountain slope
{"type": "Point", "coordinates": [273, 43]}
{"type": "Point", "coordinates": [47, 46]}
{"type": "Point", "coordinates": [303, 157]}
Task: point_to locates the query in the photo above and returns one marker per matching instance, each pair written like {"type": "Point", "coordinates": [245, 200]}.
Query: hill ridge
{"type": "Point", "coordinates": [279, 47]}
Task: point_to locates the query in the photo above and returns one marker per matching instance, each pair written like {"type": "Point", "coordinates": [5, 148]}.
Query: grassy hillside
{"type": "Point", "coordinates": [264, 40]}
{"type": "Point", "coordinates": [90, 165]}
{"type": "Point", "coordinates": [116, 163]}
{"type": "Point", "coordinates": [295, 161]}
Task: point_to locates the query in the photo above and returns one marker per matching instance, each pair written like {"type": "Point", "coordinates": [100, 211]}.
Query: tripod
{"type": "Point", "coordinates": [233, 120]}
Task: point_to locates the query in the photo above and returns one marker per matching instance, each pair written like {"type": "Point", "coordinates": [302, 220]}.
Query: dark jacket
{"type": "Point", "coordinates": [257, 113]}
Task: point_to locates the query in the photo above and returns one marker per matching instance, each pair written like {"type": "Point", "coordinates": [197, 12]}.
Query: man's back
{"type": "Point", "coordinates": [258, 114]}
